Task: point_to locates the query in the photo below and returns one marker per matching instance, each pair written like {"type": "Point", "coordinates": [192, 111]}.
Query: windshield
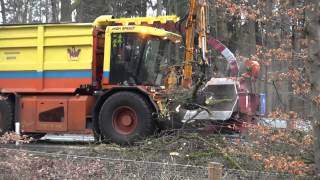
{"type": "Point", "coordinates": [138, 59]}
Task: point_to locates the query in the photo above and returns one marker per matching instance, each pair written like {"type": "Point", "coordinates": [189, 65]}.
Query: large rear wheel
{"type": "Point", "coordinates": [6, 116]}
{"type": "Point", "coordinates": [126, 117]}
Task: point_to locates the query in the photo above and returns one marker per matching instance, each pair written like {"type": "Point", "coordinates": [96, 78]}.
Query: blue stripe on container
{"type": "Point", "coordinates": [48, 74]}
{"type": "Point", "coordinates": [20, 74]}
{"type": "Point", "coordinates": [106, 74]}
{"type": "Point", "coordinates": [67, 74]}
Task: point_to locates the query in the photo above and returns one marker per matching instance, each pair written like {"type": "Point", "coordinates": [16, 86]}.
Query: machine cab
{"type": "Point", "coordinates": [137, 55]}
{"type": "Point", "coordinates": [131, 52]}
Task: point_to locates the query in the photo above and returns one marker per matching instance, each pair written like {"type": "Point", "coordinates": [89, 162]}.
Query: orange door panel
{"type": "Point", "coordinates": [52, 114]}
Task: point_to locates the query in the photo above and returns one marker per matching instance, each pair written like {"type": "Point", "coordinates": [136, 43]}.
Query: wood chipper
{"type": "Point", "coordinates": [222, 103]}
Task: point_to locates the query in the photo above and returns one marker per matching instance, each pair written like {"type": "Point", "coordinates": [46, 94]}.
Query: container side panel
{"type": "Point", "coordinates": [68, 57]}
{"type": "Point", "coordinates": [68, 30]}
{"type": "Point", "coordinates": [18, 59]}
{"type": "Point", "coordinates": [18, 32]}
{"type": "Point", "coordinates": [18, 43]}
{"type": "Point", "coordinates": [45, 58]}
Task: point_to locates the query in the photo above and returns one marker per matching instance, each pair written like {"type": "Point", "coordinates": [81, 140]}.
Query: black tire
{"type": "Point", "coordinates": [137, 106]}
{"type": "Point", "coordinates": [6, 116]}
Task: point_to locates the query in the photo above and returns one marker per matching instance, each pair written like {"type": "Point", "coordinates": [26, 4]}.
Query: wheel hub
{"type": "Point", "coordinates": [124, 120]}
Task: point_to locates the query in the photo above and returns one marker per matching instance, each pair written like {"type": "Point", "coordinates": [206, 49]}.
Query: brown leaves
{"type": "Point", "coordinates": [295, 13]}
{"type": "Point", "coordinates": [253, 12]}
{"type": "Point", "coordinates": [316, 100]}
{"type": "Point", "coordinates": [281, 53]}
{"type": "Point", "coordinates": [307, 140]}
{"type": "Point", "coordinates": [279, 114]}
{"type": "Point", "coordinates": [13, 137]}
{"type": "Point", "coordinates": [293, 74]}
{"type": "Point", "coordinates": [301, 88]}
{"type": "Point", "coordinates": [240, 10]}
{"type": "Point", "coordinates": [257, 156]}
{"type": "Point", "coordinates": [24, 164]}
{"type": "Point", "coordinates": [277, 149]}
{"type": "Point", "coordinates": [285, 164]}
{"type": "Point", "coordinates": [299, 84]}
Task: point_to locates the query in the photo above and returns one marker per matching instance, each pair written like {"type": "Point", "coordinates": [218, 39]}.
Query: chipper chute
{"type": "Point", "coordinates": [220, 98]}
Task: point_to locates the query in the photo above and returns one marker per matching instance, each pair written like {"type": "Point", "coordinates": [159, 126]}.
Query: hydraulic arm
{"type": "Point", "coordinates": [195, 25]}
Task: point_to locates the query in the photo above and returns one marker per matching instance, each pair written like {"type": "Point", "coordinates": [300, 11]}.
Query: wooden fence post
{"type": "Point", "coordinates": [215, 171]}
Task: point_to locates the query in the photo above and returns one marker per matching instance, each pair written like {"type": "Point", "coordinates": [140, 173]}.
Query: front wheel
{"type": "Point", "coordinates": [126, 117]}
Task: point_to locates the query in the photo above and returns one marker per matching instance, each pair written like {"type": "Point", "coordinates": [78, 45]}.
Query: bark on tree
{"type": "Point", "coordinates": [47, 11]}
{"type": "Point", "coordinates": [248, 43]}
{"type": "Point", "coordinates": [54, 11]}
{"type": "Point", "coordinates": [3, 11]}
{"type": "Point", "coordinates": [90, 9]}
{"type": "Point", "coordinates": [25, 12]}
{"type": "Point", "coordinates": [270, 43]}
{"type": "Point", "coordinates": [222, 28]}
{"type": "Point", "coordinates": [159, 7]}
{"type": "Point", "coordinates": [295, 104]}
{"type": "Point", "coordinates": [313, 31]}
{"type": "Point", "coordinates": [66, 11]}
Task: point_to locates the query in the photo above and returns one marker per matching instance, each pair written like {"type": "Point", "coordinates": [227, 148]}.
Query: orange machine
{"type": "Point", "coordinates": [75, 78]}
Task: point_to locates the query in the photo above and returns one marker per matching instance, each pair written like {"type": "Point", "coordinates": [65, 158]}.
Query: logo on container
{"type": "Point", "coordinates": [74, 53]}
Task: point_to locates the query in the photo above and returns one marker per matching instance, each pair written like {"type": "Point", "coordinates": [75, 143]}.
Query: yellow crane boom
{"type": "Point", "coordinates": [196, 21]}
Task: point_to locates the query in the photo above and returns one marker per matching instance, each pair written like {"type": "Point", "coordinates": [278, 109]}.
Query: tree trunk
{"type": "Point", "coordinates": [143, 8]}
{"type": "Point", "coordinates": [30, 15]}
{"type": "Point", "coordinates": [54, 11]}
{"type": "Point", "coordinates": [66, 11]}
{"type": "Point", "coordinates": [269, 43]}
{"type": "Point", "coordinates": [159, 7]}
{"type": "Point", "coordinates": [89, 10]}
{"type": "Point", "coordinates": [313, 15]}
{"type": "Point", "coordinates": [251, 29]}
{"type": "Point", "coordinates": [47, 11]}
{"type": "Point", "coordinates": [3, 11]}
{"type": "Point", "coordinates": [25, 12]}
{"type": "Point", "coordinates": [222, 27]}
{"type": "Point", "coordinates": [295, 104]}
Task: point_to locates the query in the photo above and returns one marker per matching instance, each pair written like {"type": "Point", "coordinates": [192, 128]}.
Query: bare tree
{"type": "Point", "coordinates": [88, 10]}
{"type": "Point", "coordinates": [66, 11]}
{"type": "Point", "coordinates": [313, 31]}
{"type": "Point", "coordinates": [3, 11]}
{"type": "Point", "coordinates": [54, 6]}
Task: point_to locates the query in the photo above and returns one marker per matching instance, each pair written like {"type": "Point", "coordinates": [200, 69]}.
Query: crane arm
{"type": "Point", "coordinates": [196, 21]}
{"type": "Point", "coordinates": [190, 34]}
{"type": "Point", "coordinates": [203, 30]}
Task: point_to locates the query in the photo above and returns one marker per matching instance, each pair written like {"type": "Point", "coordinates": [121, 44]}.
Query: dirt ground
{"type": "Point", "coordinates": [178, 147]}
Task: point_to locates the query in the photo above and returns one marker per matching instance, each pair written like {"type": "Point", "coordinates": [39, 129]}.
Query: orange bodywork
{"type": "Point", "coordinates": [71, 117]}
{"type": "Point", "coordinates": [66, 85]}
{"type": "Point", "coordinates": [62, 81]}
